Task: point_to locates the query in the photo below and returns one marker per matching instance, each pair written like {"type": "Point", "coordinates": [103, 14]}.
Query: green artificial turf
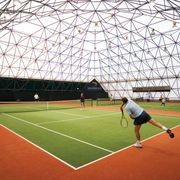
{"type": "Point", "coordinates": [80, 136]}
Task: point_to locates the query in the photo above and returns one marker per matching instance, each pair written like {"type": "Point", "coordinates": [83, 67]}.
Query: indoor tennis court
{"type": "Point", "coordinates": [79, 138]}
{"type": "Point", "coordinates": [89, 89]}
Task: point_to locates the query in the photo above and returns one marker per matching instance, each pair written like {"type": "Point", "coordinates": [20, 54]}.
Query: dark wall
{"type": "Point", "coordinates": [24, 90]}
{"type": "Point", "coordinates": [94, 90]}
{"type": "Point", "coordinates": [27, 95]}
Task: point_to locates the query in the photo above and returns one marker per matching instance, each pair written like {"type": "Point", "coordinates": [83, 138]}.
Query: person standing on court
{"type": "Point", "coordinates": [163, 101]}
{"type": "Point", "coordinates": [36, 97]}
{"type": "Point", "coordinates": [82, 101]}
{"type": "Point", "coordinates": [140, 117]}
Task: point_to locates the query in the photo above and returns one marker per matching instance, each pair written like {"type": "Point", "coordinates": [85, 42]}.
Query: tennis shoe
{"type": "Point", "coordinates": [138, 145]}
{"type": "Point", "coordinates": [171, 135]}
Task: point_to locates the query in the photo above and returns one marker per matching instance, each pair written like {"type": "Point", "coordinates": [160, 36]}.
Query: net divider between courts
{"type": "Point", "coordinates": [30, 106]}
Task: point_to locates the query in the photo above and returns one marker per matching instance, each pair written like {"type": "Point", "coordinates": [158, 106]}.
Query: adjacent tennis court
{"type": "Point", "coordinates": [75, 136]}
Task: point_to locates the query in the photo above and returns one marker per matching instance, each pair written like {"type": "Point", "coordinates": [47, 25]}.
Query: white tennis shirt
{"type": "Point", "coordinates": [133, 109]}
{"type": "Point", "coordinates": [36, 96]}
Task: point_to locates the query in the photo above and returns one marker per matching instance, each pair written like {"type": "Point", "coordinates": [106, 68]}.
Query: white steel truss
{"type": "Point", "coordinates": [121, 43]}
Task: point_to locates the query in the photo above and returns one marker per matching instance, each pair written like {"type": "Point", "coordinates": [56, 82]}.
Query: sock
{"type": "Point", "coordinates": [164, 128]}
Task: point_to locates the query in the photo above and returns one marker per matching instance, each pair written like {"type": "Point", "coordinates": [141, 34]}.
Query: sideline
{"type": "Point", "coordinates": [55, 132]}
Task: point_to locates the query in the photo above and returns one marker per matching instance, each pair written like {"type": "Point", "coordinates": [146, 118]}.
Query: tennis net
{"type": "Point", "coordinates": [23, 106]}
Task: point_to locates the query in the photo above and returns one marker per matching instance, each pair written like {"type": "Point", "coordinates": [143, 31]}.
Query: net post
{"type": "Point", "coordinates": [91, 102]}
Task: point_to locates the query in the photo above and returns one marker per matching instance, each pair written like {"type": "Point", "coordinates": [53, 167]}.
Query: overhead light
{"type": "Point", "coordinates": [112, 14]}
{"type": "Point", "coordinates": [81, 53]}
{"type": "Point", "coordinates": [96, 23]}
{"type": "Point", "coordinates": [152, 3]}
{"type": "Point", "coordinates": [165, 48]}
{"type": "Point", "coordinates": [7, 15]}
{"type": "Point", "coordinates": [125, 37]}
{"type": "Point", "coordinates": [174, 24]}
{"type": "Point", "coordinates": [80, 31]}
{"type": "Point", "coordinates": [45, 48]}
{"type": "Point", "coordinates": [7, 11]}
{"type": "Point", "coordinates": [109, 45]}
{"type": "Point", "coordinates": [153, 31]}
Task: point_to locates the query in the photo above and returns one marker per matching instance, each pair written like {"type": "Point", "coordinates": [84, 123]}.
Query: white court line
{"type": "Point", "coordinates": [115, 152]}
{"type": "Point", "coordinates": [49, 122]}
{"type": "Point", "coordinates": [88, 117]}
{"type": "Point", "coordinates": [62, 161]}
{"type": "Point", "coordinates": [92, 162]}
{"type": "Point", "coordinates": [60, 112]}
{"type": "Point", "coordinates": [55, 132]}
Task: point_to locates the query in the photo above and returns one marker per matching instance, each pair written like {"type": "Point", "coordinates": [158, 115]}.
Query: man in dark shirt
{"type": "Point", "coordinates": [82, 100]}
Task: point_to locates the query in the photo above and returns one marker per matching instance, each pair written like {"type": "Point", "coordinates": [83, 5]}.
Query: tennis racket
{"type": "Point", "coordinates": [123, 120]}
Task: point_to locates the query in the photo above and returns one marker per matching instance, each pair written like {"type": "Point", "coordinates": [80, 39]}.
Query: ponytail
{"type": "Point", "coordinates": [124, 100]}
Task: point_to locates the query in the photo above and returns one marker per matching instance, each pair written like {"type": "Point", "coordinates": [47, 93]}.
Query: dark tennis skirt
{"type": "Point", "coordinates": [143, 118]}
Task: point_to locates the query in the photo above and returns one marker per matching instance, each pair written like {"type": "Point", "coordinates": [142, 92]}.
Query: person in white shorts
{"type": "Point", "coordinates": [140, 117]}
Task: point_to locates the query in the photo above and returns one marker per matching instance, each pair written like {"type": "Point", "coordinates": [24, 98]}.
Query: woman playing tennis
{"type": "Point", "coordinates": [140, 117]}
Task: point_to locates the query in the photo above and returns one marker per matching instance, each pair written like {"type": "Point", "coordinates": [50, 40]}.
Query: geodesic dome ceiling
{"type": "Point", "coordinates": [121, 43]}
